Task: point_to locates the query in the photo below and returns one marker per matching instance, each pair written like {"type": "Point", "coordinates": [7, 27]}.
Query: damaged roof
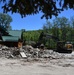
{"type": "Point", "coordinates": [14, 35]}
{"type": "Point", "coordinates": [17, 33]}
{"type": "Point", "coordinates": [10, 38]}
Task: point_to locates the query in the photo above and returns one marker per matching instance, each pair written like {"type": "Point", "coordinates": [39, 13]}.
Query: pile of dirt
{"type": "Point", "coordinates": [30, 52]}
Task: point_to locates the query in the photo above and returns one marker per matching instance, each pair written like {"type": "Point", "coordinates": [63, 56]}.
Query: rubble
{"type": "Point", "coordinates": [30, 52]}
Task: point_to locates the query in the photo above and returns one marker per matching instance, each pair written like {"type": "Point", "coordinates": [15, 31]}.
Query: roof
{"type": "Point", "coordinates": [10, 38]}
{"type": "Point", "coordinates": [15, 33]}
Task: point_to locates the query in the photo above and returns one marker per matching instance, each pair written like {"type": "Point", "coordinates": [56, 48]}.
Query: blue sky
{"type": "Point", "coordinates": [34, 22]}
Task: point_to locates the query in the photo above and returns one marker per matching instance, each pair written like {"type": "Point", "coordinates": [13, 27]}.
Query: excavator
{"type": "Point", "coordinates": [62, 47]}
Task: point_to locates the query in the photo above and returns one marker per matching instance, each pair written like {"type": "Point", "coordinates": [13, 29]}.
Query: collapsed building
{"type": "Point", "coordinates": [12, 38]}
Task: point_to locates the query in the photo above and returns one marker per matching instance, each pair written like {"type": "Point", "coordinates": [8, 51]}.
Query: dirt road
{"type": "Point", "coordinates": [21, 67]}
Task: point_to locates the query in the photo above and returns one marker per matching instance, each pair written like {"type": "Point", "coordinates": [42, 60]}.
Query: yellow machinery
{"type": "Point", "coordinates": [69, 46]}
{"type": "Point", "coordinates": [63, 47]}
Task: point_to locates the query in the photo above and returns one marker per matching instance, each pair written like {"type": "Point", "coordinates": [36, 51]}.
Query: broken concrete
{"type": "Point", "coordinates": [37, 62]}
{"type": "Point", "coordinates": [30, 52]}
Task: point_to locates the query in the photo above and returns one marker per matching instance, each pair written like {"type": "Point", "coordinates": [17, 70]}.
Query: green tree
{"type": "Point", "coordinates": [5, 21]}
{"type": "Point", "coordinates": [69, 33]}
{"type": "Point", "coordinates": [31, 35]}
{"type": "Point", "coordinates": [72, 28]}
{"type": "Point", "coordinates": [60, 26]}
{"type": "Point", "coordinates": [29, 7]}
{"type": "Point", "coordinates": [55, 28]}
{"type": "Point", "coordinates": [63, 23]}
{"type": "Point", "coordinates": [47, 29]}
{"type": "Point", "coordinates": [9, 27]}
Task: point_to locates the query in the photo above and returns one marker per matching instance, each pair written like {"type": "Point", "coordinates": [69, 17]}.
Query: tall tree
{"type": "Point", "coordinates": [72, 28]}
{"type": "Point", "coordinates": [29, 7]}
{"type": "Point", "coordinates": [72, 21]}
{"type": "Point", "coordinates": [55, 29]}
{"type": "Point", "coordinates": [47, 27]}
{"type": "Point", "coordinates": [5, 20]}
{"type": "Point", "coordinates": [62, 23]}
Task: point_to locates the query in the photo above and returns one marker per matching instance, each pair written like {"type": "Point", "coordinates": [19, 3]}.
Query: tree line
{"type": "Point", "coordinates": [61, 27]}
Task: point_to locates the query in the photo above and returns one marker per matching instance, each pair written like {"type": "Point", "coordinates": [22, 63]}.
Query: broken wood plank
{"type": "Point", "coordinates": [23, 54]}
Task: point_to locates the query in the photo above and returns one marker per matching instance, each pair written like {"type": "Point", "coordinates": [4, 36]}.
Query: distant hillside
{"type": "Point", "coordinates": [32, 35]}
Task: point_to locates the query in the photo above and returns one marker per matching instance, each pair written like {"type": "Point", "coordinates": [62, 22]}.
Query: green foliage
{"type": "Point", "coordinates": [31, 7]}
{"type": "Point", "coordinates": [31, 35]}
{"type": "Point", "coordinates": [61, 23]}
{"type": "Point", "coordinates": [60, 27]}
{"type": "Point", "coordinates": [5, 21]}
{"type": "Point", "coordinates": [47, 27]}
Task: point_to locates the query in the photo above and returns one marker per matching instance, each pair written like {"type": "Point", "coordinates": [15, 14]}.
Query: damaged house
{"type": "Point", "coordinates": [12, 38]}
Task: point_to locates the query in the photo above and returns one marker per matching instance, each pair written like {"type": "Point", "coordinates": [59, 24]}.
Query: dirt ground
{"type": "Point", "coordinates": [44, 67]}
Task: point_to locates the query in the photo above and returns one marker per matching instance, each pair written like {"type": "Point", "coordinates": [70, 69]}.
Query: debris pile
{"type": "Point", "coordinates": [30, 52]}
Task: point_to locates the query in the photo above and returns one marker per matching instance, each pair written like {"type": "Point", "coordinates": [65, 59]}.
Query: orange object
{"type": "Point", "coordinates": [19, 44]}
